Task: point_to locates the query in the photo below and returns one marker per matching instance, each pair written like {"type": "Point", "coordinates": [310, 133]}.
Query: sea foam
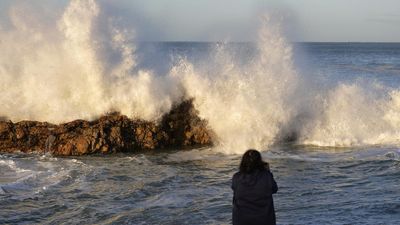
{"type": "Point", "coordinates": [58, 73]}
{"type": "Point", "coordinates": [85, 64]}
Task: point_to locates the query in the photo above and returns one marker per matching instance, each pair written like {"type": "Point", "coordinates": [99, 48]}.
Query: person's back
{"type": "Point", "coordinates": [253, 187]}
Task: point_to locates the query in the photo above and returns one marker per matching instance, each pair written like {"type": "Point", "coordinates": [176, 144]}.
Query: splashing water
{"type": "Point", "coordinates": [355, 115]}
{"type": "Point", "coordinates": [245, 105]}
{"type": "Point", "coordinates": [56, 74]}
{"type": "Point", "coordinates": [85, 65]}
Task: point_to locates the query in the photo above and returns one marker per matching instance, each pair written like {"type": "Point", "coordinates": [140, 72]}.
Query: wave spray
{"type": "Point", "coordinates": [84, 65]}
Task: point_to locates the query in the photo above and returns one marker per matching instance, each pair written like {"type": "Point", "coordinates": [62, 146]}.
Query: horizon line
{"type": "Point", "coordinates": [316, 42]}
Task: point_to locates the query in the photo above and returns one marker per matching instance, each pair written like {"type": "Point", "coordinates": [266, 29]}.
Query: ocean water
{"type": "Point", "coordinates": [325, 115]}
{"type": "Point", "coordinates": [333, 186]}
{"type": "Point", "coordinates": [342, 168]}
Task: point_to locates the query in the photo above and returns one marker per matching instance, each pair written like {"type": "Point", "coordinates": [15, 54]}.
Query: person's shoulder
{"type": "Point", "coordinates": [236, 175]}
{"type": "Point", "coordinates": [267, 171]}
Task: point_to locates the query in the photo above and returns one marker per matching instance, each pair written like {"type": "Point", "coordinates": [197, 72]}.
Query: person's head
{"type": "Point", "coordinates": [251, 161]}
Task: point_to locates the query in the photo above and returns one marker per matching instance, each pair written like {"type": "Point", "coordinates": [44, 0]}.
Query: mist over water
{"type": "Point", "coordinates": [86, 64]}
{"type": "Point", "coordinates": [82, 67]}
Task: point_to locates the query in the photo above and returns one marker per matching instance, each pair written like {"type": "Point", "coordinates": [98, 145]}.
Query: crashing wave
{"type": "Point", "coordinates": [84, 65]}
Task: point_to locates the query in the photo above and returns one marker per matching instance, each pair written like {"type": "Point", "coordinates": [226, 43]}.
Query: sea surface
{"type": "Point", "coordinates": [317, 185]}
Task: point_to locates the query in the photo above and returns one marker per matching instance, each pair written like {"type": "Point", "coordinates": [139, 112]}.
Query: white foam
{"type": "Point", "coordinates": [85, 65]}
{"type": "Point", "coordinates": [246, 105]}
{"type": "Point", "coordinates": [80, 68]}
{"type": "Point", "coordinates": [356, 115]}
{"type": "Point", "coordinates": [12, 165]}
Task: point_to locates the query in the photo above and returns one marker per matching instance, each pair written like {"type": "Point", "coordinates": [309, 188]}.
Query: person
{"type": "Point", "coordinates": [253, 187]}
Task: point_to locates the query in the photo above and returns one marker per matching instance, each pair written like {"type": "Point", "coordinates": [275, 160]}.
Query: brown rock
{"type": "Point", "coordinates": [181, 127]}
{"type": "Point", "coordinates": [82, 146]}
{"type": "Point", "coordinates": [184, 127]}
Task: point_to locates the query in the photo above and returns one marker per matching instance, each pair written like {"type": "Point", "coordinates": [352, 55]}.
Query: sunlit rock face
{"type": "Point", "coordinates": [111, 133]}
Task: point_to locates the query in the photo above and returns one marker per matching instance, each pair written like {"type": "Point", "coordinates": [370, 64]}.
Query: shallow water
{"type": "Point", "coordinates": [316, 186]}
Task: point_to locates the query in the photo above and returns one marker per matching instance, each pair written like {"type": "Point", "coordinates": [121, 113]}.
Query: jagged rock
{"type": "Point", "coordinates": [183, 127]}
{"type": "Point", "coordinates": [25, 136]}
{"type": "Point", "coordinates": [111, 133]}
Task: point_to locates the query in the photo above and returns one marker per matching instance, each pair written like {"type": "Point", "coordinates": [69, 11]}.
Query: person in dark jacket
{"type": "Point", "coordinates": [253, 187]}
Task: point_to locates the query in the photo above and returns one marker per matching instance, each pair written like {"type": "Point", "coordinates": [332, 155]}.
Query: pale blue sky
{"type": "Point", "coordinates": [303, 20]}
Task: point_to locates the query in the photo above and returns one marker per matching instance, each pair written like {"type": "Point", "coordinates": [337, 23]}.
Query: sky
{"type": "Point", "coordinates": [238, 20]}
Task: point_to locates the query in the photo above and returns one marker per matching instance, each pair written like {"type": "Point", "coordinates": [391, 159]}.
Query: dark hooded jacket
{"type": "Point", "coordinates": [252, 198]}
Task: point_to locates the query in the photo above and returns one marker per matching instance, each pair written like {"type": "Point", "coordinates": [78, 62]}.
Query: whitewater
{"type": "Point", "coordinates": [326, 116]}
{"type": "Point", "coordinates": [85, 65]}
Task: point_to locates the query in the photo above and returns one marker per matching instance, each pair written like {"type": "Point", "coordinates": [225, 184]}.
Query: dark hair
{"type": "Point", "coordinates": [251, 161]}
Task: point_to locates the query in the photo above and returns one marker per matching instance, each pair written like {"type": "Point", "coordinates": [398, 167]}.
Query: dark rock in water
{"type": "Point", "coordinates": [111, 133]}
{"type": "Point", "coordinates": [25, 136]}
{"type": "Point", "coordinates": [183, 127]}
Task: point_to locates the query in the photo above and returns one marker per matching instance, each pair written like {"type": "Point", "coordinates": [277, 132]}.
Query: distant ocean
{"type": "Point", "coordinates": [325, 115]}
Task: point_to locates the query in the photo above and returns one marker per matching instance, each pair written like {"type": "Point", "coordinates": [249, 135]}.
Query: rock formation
{"type": "Point", "coordinates": [180, 128]}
